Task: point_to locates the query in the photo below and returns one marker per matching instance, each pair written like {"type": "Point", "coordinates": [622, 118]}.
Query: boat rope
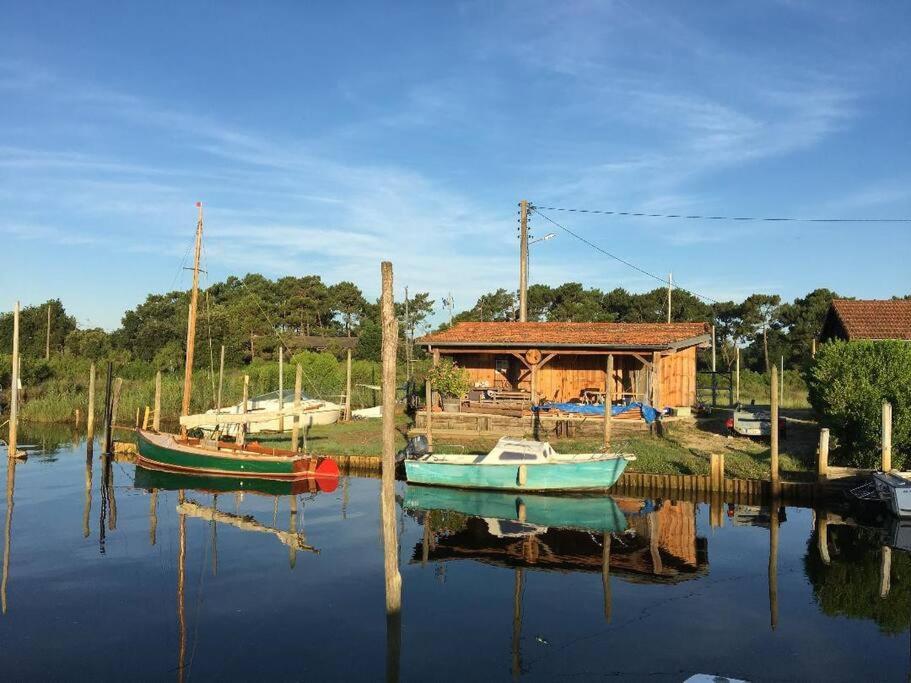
{"type": "Point", "coordinates": [211, 356]}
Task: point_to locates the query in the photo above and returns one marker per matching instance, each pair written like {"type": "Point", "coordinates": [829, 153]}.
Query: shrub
{"type": "Point", "coordinates": [847, 385]}
{"type": "Point", "coordinates": [449, 379]}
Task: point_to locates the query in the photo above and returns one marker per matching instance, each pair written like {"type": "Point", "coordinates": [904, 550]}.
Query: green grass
{"type": "Point", "coordinates": [685, 448]}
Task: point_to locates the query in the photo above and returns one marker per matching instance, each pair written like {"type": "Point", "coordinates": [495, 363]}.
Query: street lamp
{"type": "Point", "coordinates": [548, 236]}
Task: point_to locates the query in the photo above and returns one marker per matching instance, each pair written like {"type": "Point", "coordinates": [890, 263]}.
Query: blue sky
{"type": "Point", "coordinates": [323, 138]}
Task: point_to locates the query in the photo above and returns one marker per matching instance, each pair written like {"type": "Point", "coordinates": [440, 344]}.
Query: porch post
{"type": "Point", "coordinates": [656, 381]}
{"type": "Point", "coordinates": [429, 402]}
{"type": "Point", "coordinates": [608, 398]}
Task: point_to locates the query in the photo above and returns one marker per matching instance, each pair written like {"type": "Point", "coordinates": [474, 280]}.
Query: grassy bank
{"type": "Point", "coordinates": [685, 448]}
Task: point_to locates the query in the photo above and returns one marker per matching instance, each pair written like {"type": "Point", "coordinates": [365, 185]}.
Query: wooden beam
{"type": "Point", "coordinates": [647, 363]}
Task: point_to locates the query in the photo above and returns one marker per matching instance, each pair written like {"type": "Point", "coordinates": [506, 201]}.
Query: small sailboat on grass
{"type": "Point", "coordinates": [181, 453]}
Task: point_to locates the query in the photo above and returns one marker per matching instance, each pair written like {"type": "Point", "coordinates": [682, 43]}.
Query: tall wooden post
{"type": "Point", "coordinates": [221, 379]}
{"type": "Point", "coordinates": [387, 497]}
{"type": "Point", "coordinates": [348, 386]}
{"type": "Point", "coordinates": [429, 403]}
{"type": "Point", "coordinates": [47, 341]}
{"type": "Point", "coordinates": [191, 324]}
{"type": "Point", "coordinates": [773, 459]}
{"type": "Point", "coordinates": [242, 428]}
{"type": "Point", "coordinates": [156, 415]}
{"type": "Point", "coordinates": [714, 354]}
{"type": "Point", "coordinates": [108, 424]}
{"type": "Point", "coordinates": [90, 414]}
{"type": "Point", "coordinates": [13, 440]}
{"type": "Point", "coordinates": [523, 261]}
{"type": "Point", "coordinates": [781, 385]}
{"type": "Point", "coordinates": [887, 436]}
{"type": "Point", "coordinates": [737, 375]}
{"type": "Point", "coordinates": [813, 348]}
{"type": "Point", "coordinates": [115, 400]}
{"type": "Point", "coordinates": [296, 425]}
{"type": "Point", "coordinates": [822, 457]}
{"type": "Point", "coordinates": [656, 382]}
{"type": "Point", "coordinates": [281, 388]}
{"type": "Point", "coordinates": [608, 398]}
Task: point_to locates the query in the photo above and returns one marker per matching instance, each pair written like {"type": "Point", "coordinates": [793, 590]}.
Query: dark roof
{"type": "Point", "coordinates": [872, 319]}
{"type": "Point", "coordinates": [605, 335]}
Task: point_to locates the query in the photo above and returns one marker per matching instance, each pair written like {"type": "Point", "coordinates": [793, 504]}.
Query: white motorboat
{"type": "Point", "coordinates": [894, 488]}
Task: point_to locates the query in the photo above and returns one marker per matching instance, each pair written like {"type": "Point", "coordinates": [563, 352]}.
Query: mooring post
{"type": "Point", "coordinates": [885, 572]}
{"type": "Point", "coordinates": [608, 398]}
{"type": "Point", "coordinates": [296, 424]}
{"type": "Point", "coordinates": [242, 427]}
{"type": "Point", "coordinates": [887, 436]}
{"type": "Point", "coordinates": [137, 417]}
{"type": "Point", "coordinates": [115, 401]}
{"type": "Point", "coordinates": [387, 498]}
{"type": "Point", "coordinates": [281, 388]}
{"type": "Point", "coordinates": [108, 427]}
{"type": "Point", "coordinates": [822, 456]}
{"type": "Point", "coordinates": [145, 418]}
{"type": "Point", "coordinates": [90, 413]}
{"type": "Point", "coordinates": [348, 386]}
{"type": "Point", "coordinates": [156, 408]}
{"type": "Point", "coordinates": [12, 441]}
{"type": "Point", "coordinates": [773, 459]}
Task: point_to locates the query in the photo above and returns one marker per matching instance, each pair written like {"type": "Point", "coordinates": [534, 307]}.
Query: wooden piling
{"type": "Point", "coordinates": [281, 387]}
{"type": "Point", "coordinates": [885, 572]}
{"type": "Point", "coordinates": [242, 428]}
{"type": "Point", "coordinates": [156, 410]}
{"type": "Point", "coordinates": [609, 395]}
{"type": "Point", "coordinates": [221, 379]}
{"type": "Point", "coordinates": [387, 506]}
{"type": "Point", "coordinates": [296, 425]}
{"type": "Point", "coordinates": [773, 458]}
{"type": "Point", "coordinates": [12, 441]}
{"type": "Point", "coordinates": [887, 436]}
{"type": "Point", "coordinates": [822, 457]}
{"type": "Point", "coordinates": [145, 419]}
{"type": "Point", "coordinates": [108, 425]}
{"type": "Point", "coordinates": [90, 413]}
{"type": "Point", "coordinates": [717, 472]}
{"type": "Point", "coordinates": [115, 400]}
{"type": "Point", "coordinates": [348, 386]}
{"type": "Point", "coordinates": [136, 423]}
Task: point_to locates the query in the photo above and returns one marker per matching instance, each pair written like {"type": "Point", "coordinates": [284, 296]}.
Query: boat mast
{"type": "Point", "coordinates": [191, 323]}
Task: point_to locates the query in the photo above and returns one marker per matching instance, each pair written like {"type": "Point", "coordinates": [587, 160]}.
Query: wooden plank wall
{"type": "Point", "coordinates": [566, 376]}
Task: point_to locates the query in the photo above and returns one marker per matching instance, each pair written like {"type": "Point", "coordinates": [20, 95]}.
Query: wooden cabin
{"type": "Point", "coordinates": [854, 320]}
{"type": "Point", "coordinates": [654, 363]}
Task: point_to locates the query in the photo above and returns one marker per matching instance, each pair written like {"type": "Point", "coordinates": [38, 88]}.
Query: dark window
{"type": "Point", "coordinates": [515, 455]}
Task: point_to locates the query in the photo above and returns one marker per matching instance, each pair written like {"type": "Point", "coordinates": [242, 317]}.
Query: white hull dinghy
{"type": "Point", "coordinates": [313, 413]}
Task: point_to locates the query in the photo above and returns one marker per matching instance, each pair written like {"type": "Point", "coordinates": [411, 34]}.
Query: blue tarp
{"type": "Point", "coordinates": [649, 414]}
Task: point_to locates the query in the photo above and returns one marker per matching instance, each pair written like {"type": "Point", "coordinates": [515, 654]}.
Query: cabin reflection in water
{"type": "Point", "coordinates": [659, 543]}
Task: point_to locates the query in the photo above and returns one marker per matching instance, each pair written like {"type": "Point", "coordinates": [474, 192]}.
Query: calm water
{"type": "Point", "coordinates": [95, 588]}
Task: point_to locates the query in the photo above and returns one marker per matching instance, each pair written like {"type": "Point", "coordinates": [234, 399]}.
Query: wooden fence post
{"type": "Point", "coordinates": [156, 414]}
{"type": "Point", "coordinates": [822, 456]}
{"type": "Point", "coordinates": [887, 436]}
{"type": "Point", "coordinates": [90, 413]}
{"type": "Point", "coordinates": [773, 460]}
{"type": "Point", "coordinates": [608, 399]}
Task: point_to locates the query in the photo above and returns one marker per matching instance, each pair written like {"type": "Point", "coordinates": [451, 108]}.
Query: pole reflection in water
{"type": "Point", "coordinates": [103, 513]}
{"type": "Point", "coordinates": [214, 534]}
{"type": "Point", "coordinates": [8, 528]}
{"type": "Point", "coordinates": [292, 529]}
{"type": "Point", "coordinates": [605, 574]}
{"type": "Point", "coordinates": [153, 517]}
{"type": "Point", "coordinates": [87, 509]}
{"type": "Point", "coordinates": [773, 563]}
{"type": "Point", "coordinates": [518, 588]}
{"type": "Point", "coordinates": [181, 579]}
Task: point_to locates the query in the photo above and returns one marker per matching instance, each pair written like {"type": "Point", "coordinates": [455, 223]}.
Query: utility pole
{"type": "Point", "coordinates": [409, 334]}
{"type": "Point", "coordinates": [670, 287]}
{"type": "Point", "coordinates": [523, 261]}
{"type": "Point", "coordinates": [47, 345]}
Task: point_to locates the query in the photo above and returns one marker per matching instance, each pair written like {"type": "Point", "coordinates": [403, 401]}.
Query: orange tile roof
{"type": "Point", "coordinates": [873, 319]}
{"type": "Point", "coordinates": [620, 335]}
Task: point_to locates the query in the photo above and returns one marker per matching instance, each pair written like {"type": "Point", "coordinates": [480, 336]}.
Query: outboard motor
{"type": "Point", "coordinates": [416, 447]}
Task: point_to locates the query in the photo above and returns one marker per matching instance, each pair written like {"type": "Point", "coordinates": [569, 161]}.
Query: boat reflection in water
{"type": "Point", "coordinates": [159, 480]}
{"type": "Point", "coordinates": [638, 540]}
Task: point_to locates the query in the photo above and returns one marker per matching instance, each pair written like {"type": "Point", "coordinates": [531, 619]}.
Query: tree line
{"type": "Point", "coordinates": [253, 315]}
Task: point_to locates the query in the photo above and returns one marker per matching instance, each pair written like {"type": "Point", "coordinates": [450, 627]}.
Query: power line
{"type": "Point", "coordinates": [780, 219]}
{"type": "Point", "coordinates": [594, 246]}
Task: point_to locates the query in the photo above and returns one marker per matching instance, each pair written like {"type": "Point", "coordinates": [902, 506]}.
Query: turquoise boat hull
{"type": "Point", "coordinates": [588, 513]}
{"type": "Point", "coordinates": [588, 475]}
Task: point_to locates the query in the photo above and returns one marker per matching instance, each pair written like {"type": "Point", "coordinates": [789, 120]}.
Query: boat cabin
{"type": "Point", "coordinates": [533, 362]}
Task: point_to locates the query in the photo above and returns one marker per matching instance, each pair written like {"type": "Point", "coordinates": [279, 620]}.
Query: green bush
{"type": "Point", "coordinates": [847, 385]}
{"type": "Point", "coordinates": [449, 379]}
